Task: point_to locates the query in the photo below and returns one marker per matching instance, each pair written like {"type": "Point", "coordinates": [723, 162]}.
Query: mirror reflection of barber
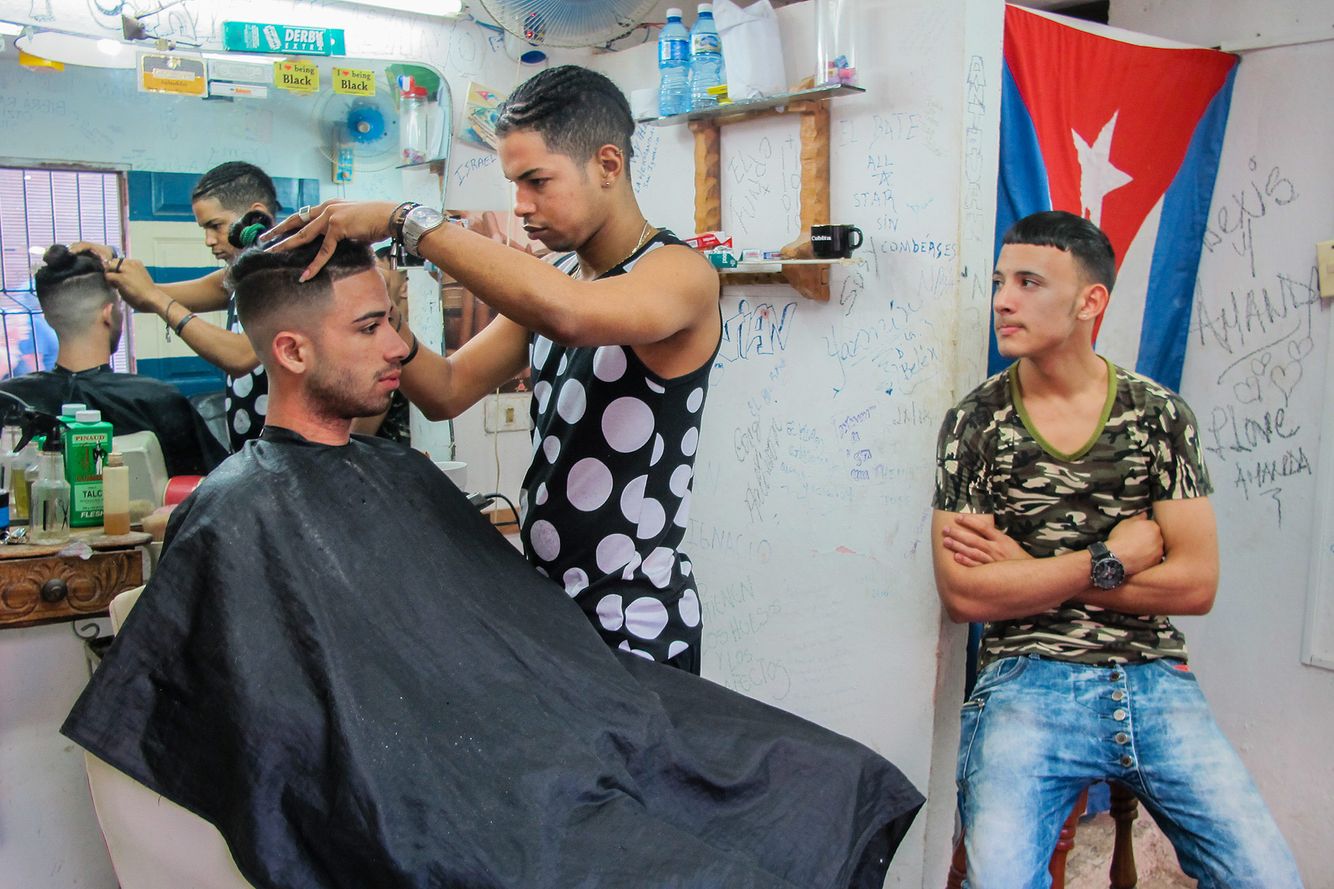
{"type": "Point", "coordinates": [218, 200]}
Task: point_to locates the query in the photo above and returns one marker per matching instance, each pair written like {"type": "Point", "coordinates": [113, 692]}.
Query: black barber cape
{"type": "Point", "coordinates": [130, 403]}
{"type": "Point", "coordinates": [344, 667]}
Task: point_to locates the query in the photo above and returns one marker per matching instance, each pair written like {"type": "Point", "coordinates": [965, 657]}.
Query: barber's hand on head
{"type": "Point", "coordinates": [101, 251]}
{"type": "Point", "coordinates": [975, 540]}
{"type": "Point", "coordinates": [1137, 542]}
{"type": "Point", "coordinates": [334, 220]}
{"type": "Point", "coordinates": [135, 285]}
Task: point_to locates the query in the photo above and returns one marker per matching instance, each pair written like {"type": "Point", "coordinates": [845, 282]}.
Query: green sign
{"type": "Point", "coordinates": [287, 40]}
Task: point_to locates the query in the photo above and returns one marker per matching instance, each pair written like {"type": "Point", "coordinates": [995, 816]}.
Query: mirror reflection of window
{"type": "Point", "coordinates": [41, 206]}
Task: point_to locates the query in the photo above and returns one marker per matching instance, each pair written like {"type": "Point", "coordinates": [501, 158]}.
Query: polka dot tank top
{"type": "Point", "coordinates": [247, 395]}
{"type": "Point", "coordinates": [606, 500]}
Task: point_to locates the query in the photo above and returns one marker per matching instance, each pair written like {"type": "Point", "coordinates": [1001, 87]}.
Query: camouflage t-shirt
{"type": "Point", "coordinates": [990, 461]}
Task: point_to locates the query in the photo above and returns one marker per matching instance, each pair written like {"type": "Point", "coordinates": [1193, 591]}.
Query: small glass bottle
{"type": "Point", "coordinates": [10, 480]}
{"type": "Point", "coordinates": [32, 470]}
{"type": "Point", "coordinates": [50, 496]}
{"type": "Point", "coordinates": [115, 496]}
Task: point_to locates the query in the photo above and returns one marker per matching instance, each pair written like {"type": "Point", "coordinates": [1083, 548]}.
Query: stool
{"type": "Point", "coordinates": [1123, 875]}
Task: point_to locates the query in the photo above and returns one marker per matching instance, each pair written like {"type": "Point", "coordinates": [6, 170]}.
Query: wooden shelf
{"type": "Point", "coordinates": [753, 106]}
{"type": "Point", "coordinates": [741, 266]}
{"type": "Point", "coordinates": [810, 278]}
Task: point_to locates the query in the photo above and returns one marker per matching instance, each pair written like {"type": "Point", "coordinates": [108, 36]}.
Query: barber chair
{"type": "Point", "coordinates": [154, 843]}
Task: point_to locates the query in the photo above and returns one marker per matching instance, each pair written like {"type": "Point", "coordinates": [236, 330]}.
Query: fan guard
{"type": "Point", "coordinates": [568, 23]}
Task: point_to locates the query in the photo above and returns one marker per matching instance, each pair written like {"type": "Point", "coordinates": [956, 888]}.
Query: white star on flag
{"type": "Point", "coordinates": [1097, 176]}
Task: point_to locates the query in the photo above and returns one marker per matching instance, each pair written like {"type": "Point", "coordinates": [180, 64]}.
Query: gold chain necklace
{"type": "Point", "coordinates": [644, 235]}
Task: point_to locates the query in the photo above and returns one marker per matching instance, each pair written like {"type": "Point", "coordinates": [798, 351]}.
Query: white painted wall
{"type": "Point", "coordinates": [815, 469]}
{"type": "Point", "coordinates": [1215, 22]}
{"type": "Point", "coordinates": [1246, 361]}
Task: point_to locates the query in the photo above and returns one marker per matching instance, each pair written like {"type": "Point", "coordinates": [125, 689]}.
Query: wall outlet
{"type": "Point", "coordinates": [1324, 260]}
{"type": "Point", "coordinates": [506, 412]}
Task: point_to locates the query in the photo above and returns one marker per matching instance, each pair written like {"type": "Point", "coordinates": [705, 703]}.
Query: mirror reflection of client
{"type": "Point", "coordinates": [343, 666]}
{"type": "Point", "coordinates": [620, 332]}
{"type": "Point", "coordinates": [222, 196]}
{"type": "Point", "coordinates": [85, 312]}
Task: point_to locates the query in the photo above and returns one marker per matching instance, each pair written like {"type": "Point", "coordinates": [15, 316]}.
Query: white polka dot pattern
{"type": "Point", "coordinates": [609, 612]}
{"type": "Point", "coordinates": [609, 363]}
{"type": "Point", "coordinates": [627, 423]}
{"type": "Point", "coordinates": [614, 552]}
{"type": "Point", "coordinates": [546, 540]}
{"type": "Point", "coordinates": [247, 400]}
{"type": "Point", "coordinates": [589, 484]}
{"type": "Point", "coordinates": [611, 490]}
{"type": "Point", "coordinates": [571, 403]}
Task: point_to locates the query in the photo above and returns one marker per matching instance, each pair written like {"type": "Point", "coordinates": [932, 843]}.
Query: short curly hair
{"type": "Point", "coordinates": [576, 111]}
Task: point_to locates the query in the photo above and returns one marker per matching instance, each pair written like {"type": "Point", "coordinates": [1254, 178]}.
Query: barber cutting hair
{"type": "Point", "coordinates": [621, 331]}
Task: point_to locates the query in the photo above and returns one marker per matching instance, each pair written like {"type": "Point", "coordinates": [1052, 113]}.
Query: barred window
{"type": "Point", "coordinates": [40, 207]}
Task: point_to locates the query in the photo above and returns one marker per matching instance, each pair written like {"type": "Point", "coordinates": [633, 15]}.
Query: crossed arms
{"type": "Point", "coordinates": [1171, 563]}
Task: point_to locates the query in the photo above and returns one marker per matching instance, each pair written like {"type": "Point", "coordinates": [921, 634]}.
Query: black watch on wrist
{"type": "Point", "coordinates": [1107, 572]}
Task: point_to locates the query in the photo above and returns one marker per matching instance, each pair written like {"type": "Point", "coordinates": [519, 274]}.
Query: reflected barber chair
{"type": "Point", "coordinates": [154, 843]}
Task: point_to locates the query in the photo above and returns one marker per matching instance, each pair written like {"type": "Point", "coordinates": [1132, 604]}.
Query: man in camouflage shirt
{"type": "Point", "coordinates": [1072, 517]}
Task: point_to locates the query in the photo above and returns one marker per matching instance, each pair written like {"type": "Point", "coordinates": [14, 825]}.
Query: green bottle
{"type": "Point", "coordinates": [87, 444]}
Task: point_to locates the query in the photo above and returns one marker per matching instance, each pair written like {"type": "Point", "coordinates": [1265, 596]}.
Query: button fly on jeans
{"type": "Point", "coordinates": [1119, 715]}
{"type": "Point", "coordinates": [1127, 760]}
{"type": "Point", "coordinates": [1116, 674]}
{"type": "Point", "coordinates": [1119, 695]}
{"type": "Point", "coordinates": [1121, 738]}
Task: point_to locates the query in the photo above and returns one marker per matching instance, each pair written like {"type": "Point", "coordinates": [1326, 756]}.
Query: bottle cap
{"type": "Point", "coordinates": [673, 13]}
{"type": "Point", "coordinates": [88, 416]}
{"type": "Point", "coordinates": [705, 7]}
{"type": "Point", "coordinates": [69, 410]}
{"type": "Point", "coordinates": [115, 459]}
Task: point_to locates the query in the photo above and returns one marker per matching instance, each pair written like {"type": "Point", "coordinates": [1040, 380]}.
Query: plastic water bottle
{"type": "Point", "coordinates": [412, 122]}
{"type": "Point", "coordinates": [674, 66]}
{"type": "Point", "coordinates": [706, 59]}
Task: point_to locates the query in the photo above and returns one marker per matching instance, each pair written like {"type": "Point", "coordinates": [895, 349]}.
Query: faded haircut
{"type": "Point", "coordinates": [236, 185]}
{"type": "Point", "coordinates": [72, 289]}
{"type": "Point", "coordinates": [1071, 234]}
{"type": "Point", "coordinates": [267, 289]}
{"type": "Point", "coordinates": [576, 111]}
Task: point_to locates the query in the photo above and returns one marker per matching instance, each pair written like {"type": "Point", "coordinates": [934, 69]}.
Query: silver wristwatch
{"type": "Point", "coordinates": [417, 223]}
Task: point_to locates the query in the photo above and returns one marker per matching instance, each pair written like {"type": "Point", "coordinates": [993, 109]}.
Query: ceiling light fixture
{"type": "Point", "coordinates": [76, 49]}
{"type": "Point", "coordinates": [446, 8]}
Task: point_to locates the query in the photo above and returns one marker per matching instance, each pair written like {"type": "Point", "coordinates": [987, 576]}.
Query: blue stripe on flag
{"type": "Point", "coordinates": [1022, 187]}
{"type": "Point", "coordinates": [1176, 252]}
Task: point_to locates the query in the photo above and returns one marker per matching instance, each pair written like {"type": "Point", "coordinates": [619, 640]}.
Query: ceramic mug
{"type": "Point", "coordinates": [835, 241]}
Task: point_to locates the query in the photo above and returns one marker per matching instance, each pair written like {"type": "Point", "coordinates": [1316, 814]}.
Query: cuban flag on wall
{"type": "Point", "coordinates": [1125, 130]}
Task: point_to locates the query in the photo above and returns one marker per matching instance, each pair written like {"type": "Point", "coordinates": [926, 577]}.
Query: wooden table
{"type": "Point", "coordinates": [39, 585]}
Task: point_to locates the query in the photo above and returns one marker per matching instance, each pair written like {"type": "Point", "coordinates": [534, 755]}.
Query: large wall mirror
{"type": "Point", "coordinates": [75, 138]}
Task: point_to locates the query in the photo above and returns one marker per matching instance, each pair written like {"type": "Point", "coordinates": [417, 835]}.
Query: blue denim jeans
{"type": "Point", "coordinates": [1036, 732]}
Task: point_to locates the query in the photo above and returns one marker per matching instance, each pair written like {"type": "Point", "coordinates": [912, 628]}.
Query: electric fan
{"type": "Point", "coordinates": [358, 132]}
{"type": "Point", "coordinates": [568, 23]}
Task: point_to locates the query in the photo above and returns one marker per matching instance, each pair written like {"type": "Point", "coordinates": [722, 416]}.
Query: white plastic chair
{"type": "Point", "coordinates": [154, 843]}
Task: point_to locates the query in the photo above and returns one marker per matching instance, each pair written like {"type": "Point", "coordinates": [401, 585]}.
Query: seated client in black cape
{"type": "Point", "coordinates": [343, 666]}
